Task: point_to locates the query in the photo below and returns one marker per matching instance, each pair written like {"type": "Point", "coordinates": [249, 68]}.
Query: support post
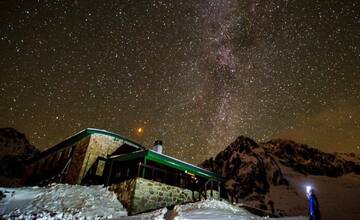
{"type": "Point", "coordinates": [138, 170]}
{"type": "Point", "coordinates": [219, 189]}
{"type": "Point", "coordinates": [206, 190]}
{"type": "Point", "coordinates": [143, 171]}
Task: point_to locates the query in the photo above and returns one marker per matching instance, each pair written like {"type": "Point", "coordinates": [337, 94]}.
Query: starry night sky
{"type": "Point", "coordinates": [195, 74]}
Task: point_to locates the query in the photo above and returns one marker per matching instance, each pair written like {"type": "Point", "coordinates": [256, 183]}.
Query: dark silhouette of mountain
{"type": "Point", "coordinates": [14, 150]}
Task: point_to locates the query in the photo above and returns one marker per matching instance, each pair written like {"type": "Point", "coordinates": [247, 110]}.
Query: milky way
{"type": "Point", "coordinates": [195, 74]}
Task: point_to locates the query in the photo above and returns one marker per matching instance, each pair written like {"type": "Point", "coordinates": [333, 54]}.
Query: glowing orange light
{"type": "Point", "coordinates": [140, 130]}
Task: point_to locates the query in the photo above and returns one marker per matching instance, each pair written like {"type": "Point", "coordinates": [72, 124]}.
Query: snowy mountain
{"type": "Point", "coordinates": [249, 171]}
{"type": "Point", "coordinates": [14, 150]}
{"type": "Point", "coordinates": [272, 176]}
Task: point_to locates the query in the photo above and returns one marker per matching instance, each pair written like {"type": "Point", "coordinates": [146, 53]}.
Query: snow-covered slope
{"type": "Point", "coordinates": [213, 209]}
{"type": "Point", "coordinates": [60, 201]}
{"type": "Point", "coordinates": [339, 197]}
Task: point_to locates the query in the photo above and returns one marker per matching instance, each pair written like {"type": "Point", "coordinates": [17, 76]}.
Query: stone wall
{"type": "Point", "coordinates": [215, 194]}
{"type": "Point", "coordinates": [153, 195]}
{"type": "Point", "coordinates": [140, 195]}
{"type": "Point", "coordinates": [125, 192]}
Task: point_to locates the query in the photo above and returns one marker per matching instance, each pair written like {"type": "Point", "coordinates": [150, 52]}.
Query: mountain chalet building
{"type": "Point", "coordinates": [143, 179]}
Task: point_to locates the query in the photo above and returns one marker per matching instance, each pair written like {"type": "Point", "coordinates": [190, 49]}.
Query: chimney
{"type": "Point", "coordinates": [158, 148]}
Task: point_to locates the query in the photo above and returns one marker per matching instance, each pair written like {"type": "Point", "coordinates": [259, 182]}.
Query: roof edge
{"type": "Point", "coordinates": [101, 131]}
{"type": "Point", "coordinates": [83, 134]}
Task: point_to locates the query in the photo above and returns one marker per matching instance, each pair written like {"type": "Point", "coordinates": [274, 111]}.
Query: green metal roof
{"type": "Point", "coordinates": [181, 165]}
{"type": "Point", "coordinates": [168, 161]}
{"type": "Point", "coordinates": [83, 134]}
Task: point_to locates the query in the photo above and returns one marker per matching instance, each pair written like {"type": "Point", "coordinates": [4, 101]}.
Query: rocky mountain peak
{"type": "Point", "coordinates": [248, 170]}
{"type": "Point", "coordinates": [243, 144]}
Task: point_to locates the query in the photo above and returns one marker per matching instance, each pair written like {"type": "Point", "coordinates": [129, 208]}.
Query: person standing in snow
{"type": "Point", "coordinates": [313, 205]}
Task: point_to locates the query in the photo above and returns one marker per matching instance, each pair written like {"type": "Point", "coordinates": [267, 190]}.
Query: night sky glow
{"type": "Point", "coordinates": [195, 74]}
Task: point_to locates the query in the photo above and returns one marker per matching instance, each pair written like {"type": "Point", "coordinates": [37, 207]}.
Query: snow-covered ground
{"type": "Point", "coordinates": [63, 201]}
{"type": "Point", "coordinates": [207, 210]}
{"type": "Point", "coordinates": [60, 201]}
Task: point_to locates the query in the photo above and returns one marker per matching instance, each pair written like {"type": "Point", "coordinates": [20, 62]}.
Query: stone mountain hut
{"type": "Point", "coordinates": [143, 179]}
